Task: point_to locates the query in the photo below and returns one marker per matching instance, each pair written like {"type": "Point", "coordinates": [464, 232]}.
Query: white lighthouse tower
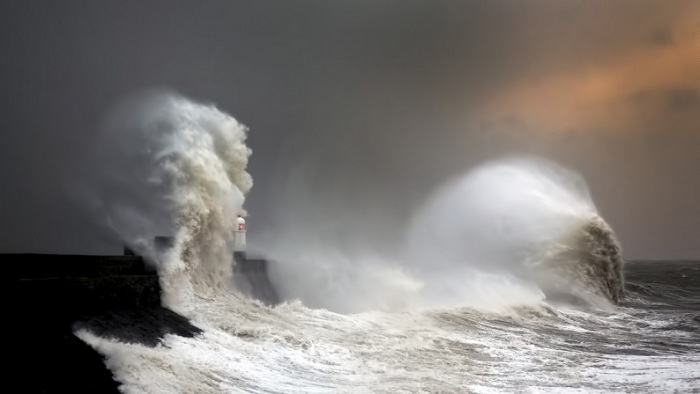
{"type": "Point", "coordinates": [239, 245]}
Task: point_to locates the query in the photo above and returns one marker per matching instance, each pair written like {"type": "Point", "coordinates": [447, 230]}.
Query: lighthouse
{"type": "Point", "coordinates": [239, 244]}
{"type": "Point", "coordinates": [250, 274]}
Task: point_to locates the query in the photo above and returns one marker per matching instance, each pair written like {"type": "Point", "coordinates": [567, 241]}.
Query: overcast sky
{"type": "Point", "coordinates": [358, 109]}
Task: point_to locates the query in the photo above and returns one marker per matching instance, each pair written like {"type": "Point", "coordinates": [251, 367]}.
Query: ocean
{"type": "Point", "coordinates": [511, 283]}
{"type": "Point", "coordinates": [650, 343]}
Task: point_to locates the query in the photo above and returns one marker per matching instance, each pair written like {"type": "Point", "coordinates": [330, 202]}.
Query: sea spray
{"type": "Point", "coordinates": [525, 220]}
{"type": "Point", "coordinates": [247, 347]}
{"type": "Point", "coordinates": [168, 166]}
{"type": "Point", "coordinates": [585, 266]}
{"type": "Point", "coordinates": [512, 231]}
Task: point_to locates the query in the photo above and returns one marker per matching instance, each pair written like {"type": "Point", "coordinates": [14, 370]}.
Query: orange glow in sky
{"type": "Point", "coordinates": [616, 94]}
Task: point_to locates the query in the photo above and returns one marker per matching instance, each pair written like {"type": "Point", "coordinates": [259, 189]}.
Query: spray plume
{"type": "Point", "coordinates": [527, 221]}
{"type": "Point", "coordinates": [168, 166]}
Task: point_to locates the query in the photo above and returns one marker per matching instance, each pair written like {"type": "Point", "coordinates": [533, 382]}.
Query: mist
{"type": "Point", "coordinates": [504, 233]}
{"type": "Point", "coordinates": [167, 166]}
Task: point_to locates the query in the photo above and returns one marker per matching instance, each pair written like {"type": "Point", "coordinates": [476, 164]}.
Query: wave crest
{"type": "Point", "coordinates": [168, 166]}
{"type": "Point", "coordinates": [525, 219]}
{"type": "Point", "coordinates": [589, 263]}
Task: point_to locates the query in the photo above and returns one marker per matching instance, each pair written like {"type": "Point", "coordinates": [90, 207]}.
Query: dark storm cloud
{"type": "Point", "coordinates": [356, 109]}
{"type": "Point", "coordinates": [661, 36]}
{"type": "Point", "coordinates": [682, 98]}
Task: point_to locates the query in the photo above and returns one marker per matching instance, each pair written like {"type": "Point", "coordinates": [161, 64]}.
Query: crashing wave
{"type": "Point", "coordinates": [166, 165]}
{"type": "Point", "coordinates": [589, 262]}
{"type": "Point", "coordinates": [527, 220]}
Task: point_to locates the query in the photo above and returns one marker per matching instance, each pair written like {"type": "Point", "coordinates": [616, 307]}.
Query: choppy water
{"type": "Point", "coordinates": [649, 343]}
{"type": "Point", "coordinates": [476, 238]}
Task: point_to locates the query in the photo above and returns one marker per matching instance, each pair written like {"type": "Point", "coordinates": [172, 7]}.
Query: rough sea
{"type": "Point", "coordinates": [650, 343]}
{"type": "Point", "coordinates": [526, 291]}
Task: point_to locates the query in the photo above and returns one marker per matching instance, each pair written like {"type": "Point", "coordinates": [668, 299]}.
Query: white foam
{"type": "Point", "coordinates": [187, 176]}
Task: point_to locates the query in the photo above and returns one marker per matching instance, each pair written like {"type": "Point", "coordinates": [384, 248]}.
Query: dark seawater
{"type": "Point", "coordinates": [668, 293]}
{"type": "Point", "coordinates": [666, 283]}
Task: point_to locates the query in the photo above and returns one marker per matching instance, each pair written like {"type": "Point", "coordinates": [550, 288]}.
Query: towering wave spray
{"type": "Point", "coordinates": [168, 166]}
{"type": "Point", "coordinates": [513, 223]}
